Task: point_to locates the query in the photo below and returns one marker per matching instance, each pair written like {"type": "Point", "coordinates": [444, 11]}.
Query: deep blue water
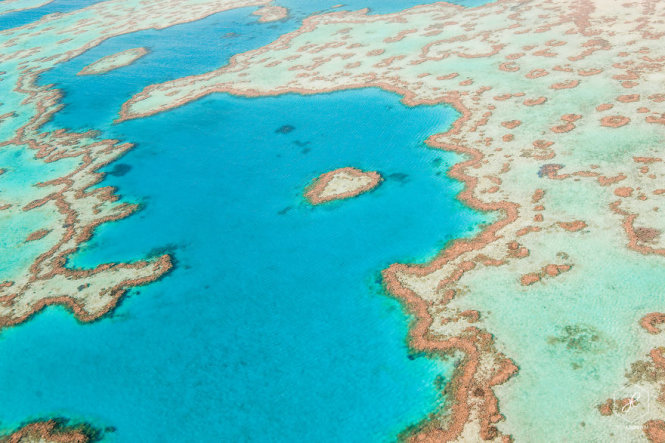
{"type": "Point", "coordinates": [273, 325]}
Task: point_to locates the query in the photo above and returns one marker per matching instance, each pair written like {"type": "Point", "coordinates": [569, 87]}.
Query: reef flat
{"type": "Point", "coordinates": [562, 125]}
{"type": "Point", "coordinates": [340, 184]}
{"type": "Point", "coordinates": [114, 61]}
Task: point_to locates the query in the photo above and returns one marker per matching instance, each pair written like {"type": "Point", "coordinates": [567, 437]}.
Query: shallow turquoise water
{"type": "Point", "coordinates": [273, 319]}
{"type": "Point", "coordinates": [273, 325]}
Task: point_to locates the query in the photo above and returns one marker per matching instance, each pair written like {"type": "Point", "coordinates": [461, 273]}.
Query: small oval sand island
{"type": "Point", "coordinates": [113, 61]}
{"type": "Point", "coordinates": [340, 184]}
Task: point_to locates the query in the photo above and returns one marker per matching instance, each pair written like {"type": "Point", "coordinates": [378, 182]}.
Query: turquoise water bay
{"type": "Point", "coordinates": [273, 319]}
{"type": "Point", "coordinates": [273, 325]}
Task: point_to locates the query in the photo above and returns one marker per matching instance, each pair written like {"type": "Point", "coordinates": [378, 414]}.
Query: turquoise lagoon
{"type": "Point", "coordinates": [273, 325]}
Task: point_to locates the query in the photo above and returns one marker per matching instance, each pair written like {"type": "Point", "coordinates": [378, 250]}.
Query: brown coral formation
{"type": "Point", "coordinates": [654, 430]}
{"type": "Point", "coordinates": [614, 121]}
{"type": "Point", "coordinates": [650, 321]}
{"type": "Point", "coordinates": [37, 235]}
{"type": "Point", "coordinates": [340, 184]}
{"type": "Point", "coordinates": [573, 226]}
{"type": "Point", "coordinates": [51, 431]}
{"type": "Point", "coordinates": [550, 270]}
{"type": "Point", "coordinates": [606, 408]}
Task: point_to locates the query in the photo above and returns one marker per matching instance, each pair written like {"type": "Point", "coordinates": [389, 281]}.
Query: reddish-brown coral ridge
{"type": "Point", "coordinates": [654, 430]}
{"type": "Point", "coordinates": [650, 321]}
{"type": "Point", "coordinates": [52, 431]}
{"type": "Point", "coordinates": [37, 235]}
{"type": "Point", "coordinates": [340, 184]}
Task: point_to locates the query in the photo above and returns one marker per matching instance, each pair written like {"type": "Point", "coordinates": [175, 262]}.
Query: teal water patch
{"type": "Point", "coordinates": [272, 326]}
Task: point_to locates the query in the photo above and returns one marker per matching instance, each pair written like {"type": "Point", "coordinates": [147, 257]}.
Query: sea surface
{"type": "Point", "coordinates": [273, 326]}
